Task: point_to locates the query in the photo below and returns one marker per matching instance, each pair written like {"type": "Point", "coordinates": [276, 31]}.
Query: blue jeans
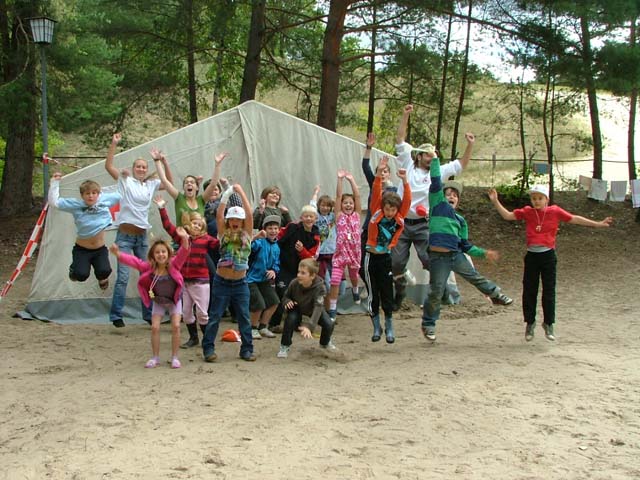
{"type": "Point", "coordinates": [225, 292]}
{"type": "Point", "coordinates": [443, 263]}
{"type": "Point", "coordinates": [138, 246]}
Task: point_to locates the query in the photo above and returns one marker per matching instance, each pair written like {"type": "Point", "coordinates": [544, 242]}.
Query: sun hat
{"type": "Point", "coordinates": [426, 148]}
{"type": "Point", "coordinates": [271, 219]}
{"type": "Point", "coordinates": [543, 189]}
{"type": "Point", "coordinates": [236, 212]}
{"type": "Point", "coordinates": [457, 186]}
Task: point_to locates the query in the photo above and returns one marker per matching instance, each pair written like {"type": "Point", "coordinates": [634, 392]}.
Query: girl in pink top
{"type": "Point", "coordinates": [161, 283]}
{"type": "Point", "coordinates": [541, 221]}
{"type": "Point", "coordinates": [348, 249]}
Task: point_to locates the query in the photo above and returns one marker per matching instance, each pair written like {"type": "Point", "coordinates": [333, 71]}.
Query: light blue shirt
{"type": "Point", "coordinates": [89, 221]}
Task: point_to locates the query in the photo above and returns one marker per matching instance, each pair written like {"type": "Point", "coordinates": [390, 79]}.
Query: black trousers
{"type": "Point", "coordinates": [380, 280]}
{"type": "Point", "coordinates": [293, 320]}
{"type": "Point", "coordinates": [539, 266]}
{"type": "Point", "coordinates": [84, 258]}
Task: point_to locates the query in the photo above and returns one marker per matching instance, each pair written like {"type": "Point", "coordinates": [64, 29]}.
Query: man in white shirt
{"type": "Point", "coordinates": [416, 226]}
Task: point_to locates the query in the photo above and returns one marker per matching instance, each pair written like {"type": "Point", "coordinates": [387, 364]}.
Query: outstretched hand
{"type": "Point", "coordinates": [221, 156]}
{"type": "Point", "coordinates": [116, 138]}
{"type": "Point", "coordinates": [341, 173]}
{"type": "Point", "coordinates": [492, 255]}
{"type": "Point", "coordinates": [159, 201]}
{"type": "Point", "coordinates": [607, 222]}
{"type": "Point", "coordinates": [156, 154]}
{"type": "Point", "coordinates": [407, 109]}
{"type": "Point", "coordinates": [305, 332]}
{"type": "Point", "coordinates": [470, 137]}
{"type": "Point", "coordinates": [493, 194]}
{"type": "Point", "coordinates": [402, 174]}
{"type": "Point", "coordinates": [56, 176]}
{"type": "Point", "coordinates": [371, 139]}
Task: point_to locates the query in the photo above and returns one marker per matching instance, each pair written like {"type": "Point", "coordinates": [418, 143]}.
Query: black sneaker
{"type": "Point", "coordinates": [548, 332]}
{"type": "Point", "coordinates": [529, 331]}
{"type": "Point", "coordinates": [118, 323]}
{"type": "Point", "coordinates": [192, 342]}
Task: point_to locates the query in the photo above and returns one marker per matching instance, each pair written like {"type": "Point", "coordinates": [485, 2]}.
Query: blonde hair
{"type": "Point", "coordinates": [188, 217]}
{"type": "Point", "coordinates": [309, 209]}
{"type": "Point", "coordinates": [310, 264]}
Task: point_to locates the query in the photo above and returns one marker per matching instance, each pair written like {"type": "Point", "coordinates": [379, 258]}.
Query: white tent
{"type": "Point", "coordinates": [266, 147]}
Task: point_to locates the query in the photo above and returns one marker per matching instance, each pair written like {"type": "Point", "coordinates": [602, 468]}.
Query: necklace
{"type": "Point", "coordinates": [153, 284]}
{"type": "Point", "coordinates": [540, 222]}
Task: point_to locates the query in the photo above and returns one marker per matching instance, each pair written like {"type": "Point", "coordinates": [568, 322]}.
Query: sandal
{"type": "Point", "coordinates": [175, 363]}
{"type": "Point", "coordinates": [152, 363]}
{"type": "Point", "coordinates": [104, 283]}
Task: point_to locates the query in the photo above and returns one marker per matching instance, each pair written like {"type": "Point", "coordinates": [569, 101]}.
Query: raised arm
{"type": "Point", "coordinates": [108, 164]}
{"type": "Point", "coordinates": [366, 159]}
{"type": "Point", "coordinates": [504, 213]}
{"type": "Point", "coordinates": [248, 221]}
{"type": "Point", "coordinates": [401, 134]}
{"type": "Point", "coordinates": [356, 193]}
{"type": "Point", "coordinates": [338, 206]}
{"type": "Point", "coordinates": [215, 178]}
{"type": "Point", "coordinates": [585, 222]}
{"type": "Point", "coordinates": [466, 156]}
{"type": "Point", "coordinates": [159, 163]}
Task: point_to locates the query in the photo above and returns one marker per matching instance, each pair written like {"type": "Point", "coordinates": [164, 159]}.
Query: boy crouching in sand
{"type": "Point", "coordinates": [92, 217]}
{"type": "Point", "coordinates": [305, 296]}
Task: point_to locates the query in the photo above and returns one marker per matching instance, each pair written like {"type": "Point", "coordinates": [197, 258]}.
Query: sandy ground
{"type": "Point", "coordinates": [480, 403]}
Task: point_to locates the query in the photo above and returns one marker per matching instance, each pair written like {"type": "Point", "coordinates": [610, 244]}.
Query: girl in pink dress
{"type": "Point", "coordinates": [348, 249]}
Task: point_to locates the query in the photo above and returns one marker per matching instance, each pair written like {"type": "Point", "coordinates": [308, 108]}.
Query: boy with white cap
{"type": "Point", "coordinates": [541, 220]}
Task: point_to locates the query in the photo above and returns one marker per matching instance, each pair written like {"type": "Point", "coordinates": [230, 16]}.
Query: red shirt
{"type": "Point", "coordinates": [548, 219]}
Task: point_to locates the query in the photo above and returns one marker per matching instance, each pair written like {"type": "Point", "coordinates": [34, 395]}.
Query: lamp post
{"type": "Point", "coordinates": [42, 31]}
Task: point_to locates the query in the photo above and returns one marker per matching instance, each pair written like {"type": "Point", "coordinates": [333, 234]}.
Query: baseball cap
{"type": "Point", "coordinates": [457, 186]}
{"type": "Point", "coordinates": [543, 189]}
{"type": "Point", "coordinates": [235, 212]}
{"type": "Point", "coordinates": [271, 219]}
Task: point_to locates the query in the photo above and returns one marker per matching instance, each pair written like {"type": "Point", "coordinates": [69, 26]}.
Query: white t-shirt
{"type": "Point", "coordinates": [136, 200]}
{"type": "Point", "coordinates": [419, 179]}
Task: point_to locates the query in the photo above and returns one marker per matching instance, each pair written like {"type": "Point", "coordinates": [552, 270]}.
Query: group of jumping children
{"type": "Point", "coordinates": [287, 276]}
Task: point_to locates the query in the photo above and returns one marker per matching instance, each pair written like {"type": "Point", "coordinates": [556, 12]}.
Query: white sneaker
{"type": "Point", "coordinates": [255, 334]}
{"type": "Point", "coordinates": [330, 346]}
{"type": "Point", "coordinates": [265, 332]}
{"type": "Point", "coordinates": [409, 277]}
{"type": "Point", "coordinates": [284, 351]}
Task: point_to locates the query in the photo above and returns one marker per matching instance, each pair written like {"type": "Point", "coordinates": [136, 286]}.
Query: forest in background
{"type": "Point", "coordinates": [143, 66]}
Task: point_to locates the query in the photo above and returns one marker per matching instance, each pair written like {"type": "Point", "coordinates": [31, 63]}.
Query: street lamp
{"type": "Point", "coordinates": [42, 31]}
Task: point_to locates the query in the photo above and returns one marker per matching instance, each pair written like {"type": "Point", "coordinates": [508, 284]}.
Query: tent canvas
{"type": "Point", "coordinates": [266, 147]}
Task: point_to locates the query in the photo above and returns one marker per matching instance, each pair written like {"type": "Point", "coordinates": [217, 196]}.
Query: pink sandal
{"type": "Point", "coordinates": [175, 363]}
{"type": "Point", "coordinates": [152, 363]}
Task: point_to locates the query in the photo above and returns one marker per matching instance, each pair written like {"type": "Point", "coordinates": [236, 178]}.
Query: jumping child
{"type": "Point", "coordinates": [263, 269]}
{"type": "Point", "coordinates": [326, 224]}
{"type": "Point", "coordinates": [384, 229]}
{"type": "Point", "coordinates": [91, 216]}
{"type": "Point", "coordinates": [230, 282]}
{"type": "Point", "coordinates": [305, 296]}
{"type": "Point", "coordinates": [160, 284]}
{"type": "Point", "coordinates": [448, 243]}
{"type": "Point", "coordinates": [541, 221]}
{"type": "Point", "coordinates": [348, 249]}
{"type": "Point", "coordinates": [195, 270]}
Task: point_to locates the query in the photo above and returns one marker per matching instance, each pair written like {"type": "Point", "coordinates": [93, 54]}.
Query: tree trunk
{"type": "Point", "coordinates": [20, 96]}
{"type": "Point", "coordinates": [330, 83]}
{"type": "Point", "coordinates": [443, 85]}
{"type": "Point", "coordinates": [523, 145]}
{"type": "Point", "coordinates": [463, 86]}
{"type": "Point", "coordinates": [587, 62]}
{"type": "Point", "coordinates": [633, 104]}
{"type": "Point", "coordinates": [191, 69]}
{"type": "Point", "coordinates": [254, 48]}
{"type": "Point", "coordinates": [372, 72]}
